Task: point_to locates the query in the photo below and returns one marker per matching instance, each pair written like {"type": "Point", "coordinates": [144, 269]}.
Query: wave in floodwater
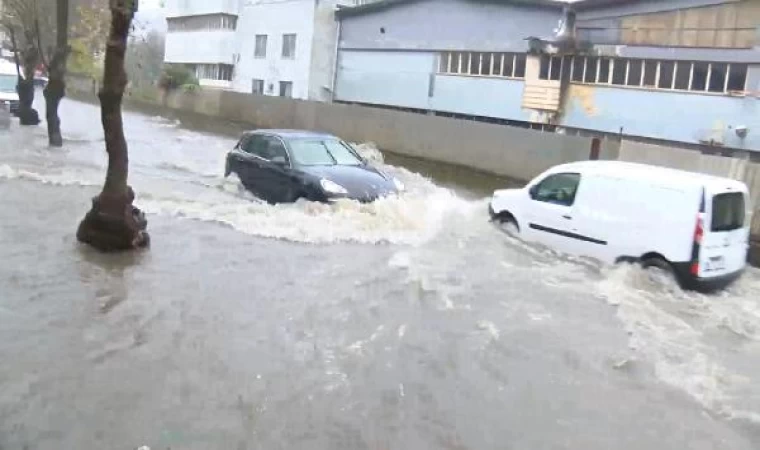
{"type": "Point", "coordinates": [680, 333]}
{"type": "Point", "coordinates": [188, 190]}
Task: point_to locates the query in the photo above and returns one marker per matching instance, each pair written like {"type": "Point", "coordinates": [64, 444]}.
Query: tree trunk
{"type": "Point", "coordinates": [56, 87]}
{"type": "Point", "coordinates": [24, 86]}
{"type": "Point", "coordinates": [26, 113]}
{"type": "Point", "coordinates": [54, 92]}
{"type": "Point", "coordinates": [113, 224]}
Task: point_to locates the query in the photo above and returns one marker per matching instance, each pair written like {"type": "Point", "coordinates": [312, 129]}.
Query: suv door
{"type": "Point", "coordinates": [550, 213]}
{"type": "Point", "coordinates": [276, 180]}
{"type": "Point", "coordinates": [247, 162]}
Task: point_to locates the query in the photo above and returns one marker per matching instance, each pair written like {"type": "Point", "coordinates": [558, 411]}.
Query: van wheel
{"type": "Point", "coordinates": [660, 269]}
{"type": "Point", "coordinates": [507, 223]}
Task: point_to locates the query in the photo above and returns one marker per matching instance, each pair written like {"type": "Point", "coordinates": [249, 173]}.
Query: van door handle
{"type": "Point", "coordinates": [568, 217]}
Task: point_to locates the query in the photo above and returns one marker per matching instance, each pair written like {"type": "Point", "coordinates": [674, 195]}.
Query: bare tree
{"type": "Point", "coordinates": [22, 20]}
{"type": "Point", "coordinates": [113, 223]}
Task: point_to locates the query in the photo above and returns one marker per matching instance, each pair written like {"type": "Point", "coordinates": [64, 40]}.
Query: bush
{"type": "Point", "coordinates": [175, 76]}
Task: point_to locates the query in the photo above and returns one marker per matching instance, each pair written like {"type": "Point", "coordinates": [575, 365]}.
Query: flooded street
{"type": "Point", "coordinates": [410, 323]}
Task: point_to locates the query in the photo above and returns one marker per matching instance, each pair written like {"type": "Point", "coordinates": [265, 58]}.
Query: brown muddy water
{"type": "Point", "coordinates": [409, 323]}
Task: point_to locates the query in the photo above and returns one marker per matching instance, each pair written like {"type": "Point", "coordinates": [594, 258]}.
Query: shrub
{"type": "Point", "coordinates": [175, 76]}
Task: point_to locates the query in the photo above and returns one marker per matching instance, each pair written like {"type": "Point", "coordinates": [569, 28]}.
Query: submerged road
{"type": "Point", "coordinates": [410, 323]}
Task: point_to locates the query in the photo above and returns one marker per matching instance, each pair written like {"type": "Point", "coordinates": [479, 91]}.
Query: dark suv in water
{"type": "Point", "coordinates": [285, 165]}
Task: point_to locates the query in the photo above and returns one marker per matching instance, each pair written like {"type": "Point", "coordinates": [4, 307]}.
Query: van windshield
{"type": "Point", "coordinates": [7, 83]}
{"type": "Point", "coordinates": [728, 212]}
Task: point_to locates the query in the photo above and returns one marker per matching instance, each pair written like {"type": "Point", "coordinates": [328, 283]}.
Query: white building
{"type": "Point", "coordinates": [270, 47]}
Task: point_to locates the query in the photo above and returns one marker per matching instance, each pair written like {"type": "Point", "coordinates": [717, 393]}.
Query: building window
{"type": "Point", "coordinates": [552, 67]}
{"type": "Point", "coordinates": [221, 72]}
{"type": "Point", "coordinates": [258, 87]}
{"type": "Point", "coordinates": [288, 46]}
{"type": "Point", "coordinates": [260, 51]}
{"type": "Point", "coordinates": [486, 64]}
{"type": "Point", "coordinates": [719, 78]}
{"type": "Point", "coordinates": [208, 22]}
{"type": "Point", "coordinates": [286, 89]}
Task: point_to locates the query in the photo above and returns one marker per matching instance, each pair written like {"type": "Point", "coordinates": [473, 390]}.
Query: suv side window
{"type": "Point", "coordinates": [559, 189]}
{"type": "Point", "coordinates": [255, 145]}
{"type": "Point", "coordinates": [274, 150]}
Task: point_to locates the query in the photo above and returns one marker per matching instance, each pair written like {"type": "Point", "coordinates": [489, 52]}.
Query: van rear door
{"type": "Point", "coordinates": [726, 233]}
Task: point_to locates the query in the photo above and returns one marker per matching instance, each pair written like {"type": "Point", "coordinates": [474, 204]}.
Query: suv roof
{"type": "Point", "coordinates": [292, 134]}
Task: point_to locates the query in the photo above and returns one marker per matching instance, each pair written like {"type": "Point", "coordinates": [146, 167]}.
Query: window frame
{"type": "Point", "coordinates": [653, 70]}
{"type": "Point", "coordinates": [285, 38]}
{"type": "Point", "coordinates": [462, 63]}
{"type": "Point", "coordinates": [256, 53]}
{"type": "Point", "coordinates": [280, 85]}
{"type": "Point", "coordinates": [255, 82]}
{"type": "Point", "coordinates": [534, 189]}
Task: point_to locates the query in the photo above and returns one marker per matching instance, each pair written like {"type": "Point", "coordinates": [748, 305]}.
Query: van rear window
{"type": "Point", "coordinates": [728, 212]}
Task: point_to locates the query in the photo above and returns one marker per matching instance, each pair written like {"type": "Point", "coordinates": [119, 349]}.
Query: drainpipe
{"type": "Point", "coordinates": [335, 63]}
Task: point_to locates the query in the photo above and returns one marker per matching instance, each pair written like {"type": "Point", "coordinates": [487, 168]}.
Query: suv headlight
{"type": "Point", "coordinates": [332, 187]}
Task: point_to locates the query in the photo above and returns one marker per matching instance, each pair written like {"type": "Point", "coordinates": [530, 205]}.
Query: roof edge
{"type": "Point", "coordinates": [348, 11]}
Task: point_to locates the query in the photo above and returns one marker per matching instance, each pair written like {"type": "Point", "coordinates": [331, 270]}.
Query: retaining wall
{"type": "Point", "coordinates": [508, 151]}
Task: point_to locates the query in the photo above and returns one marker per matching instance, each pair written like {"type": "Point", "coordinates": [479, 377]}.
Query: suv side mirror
{"type": "Point", "coordinates": [280, 161]}
{"type": "Point", "coordinates": [533, 191]}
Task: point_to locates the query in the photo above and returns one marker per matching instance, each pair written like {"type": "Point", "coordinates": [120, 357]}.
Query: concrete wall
{"type": "Point", "coordinates": [676, 116]}
{"type": "Point", "coordinates": [737, 169]}
{"type": "Point", "coordinates": [449, 25]}
{"type": "Point", "coordinates": [509, 151]}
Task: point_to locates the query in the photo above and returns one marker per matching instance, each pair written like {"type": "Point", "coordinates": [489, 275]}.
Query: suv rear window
{"type": "Point", "coordinates": [728, 212]}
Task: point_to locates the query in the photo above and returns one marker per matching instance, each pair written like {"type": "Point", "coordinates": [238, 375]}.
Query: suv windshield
{"type": "Point", "coordinates": [728, 212]}
{"type": "Point", "coordinates": [7, 83]}
{"type": "Point", "coordinates": [322, 152]}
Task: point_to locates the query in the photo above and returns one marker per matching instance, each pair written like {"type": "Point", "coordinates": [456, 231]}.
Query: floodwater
{"type": "Point", "coordinates": [410, 323]}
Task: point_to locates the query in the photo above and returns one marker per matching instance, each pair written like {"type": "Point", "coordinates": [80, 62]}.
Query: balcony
{"type": "Point", "coordinates": [200, 47]}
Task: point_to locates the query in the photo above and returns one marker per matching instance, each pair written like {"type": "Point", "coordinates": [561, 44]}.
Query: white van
{"type": "Point", "coordinates": [8, 80]}
{"type": "Point", "coordinates": [693, 226]}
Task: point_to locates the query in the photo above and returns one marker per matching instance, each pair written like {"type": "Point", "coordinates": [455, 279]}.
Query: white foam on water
{"type": "Point", "coordinates": [370, 152]}
{"type": "Point", "coordinates": [675, 346]}
{"type": "Point", "coordinates": [406, 219]}
{"type": "Point", "coordinates": [70, 177]}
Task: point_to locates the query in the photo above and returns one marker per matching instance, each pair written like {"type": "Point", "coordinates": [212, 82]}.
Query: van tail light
{"type": "Point", "coordinates": [699, 230]}
{"type": "Point", "coordinates": [699, 233]}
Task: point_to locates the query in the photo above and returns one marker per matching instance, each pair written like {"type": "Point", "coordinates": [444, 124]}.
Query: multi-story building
{"type": "Point", "coordinates": [680, 70]}
{"type": "Point", "coordinates": [270, 47]}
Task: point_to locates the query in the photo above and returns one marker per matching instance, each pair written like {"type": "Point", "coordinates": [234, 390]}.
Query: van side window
{"type": "Point", "coordinates": [559, 189]}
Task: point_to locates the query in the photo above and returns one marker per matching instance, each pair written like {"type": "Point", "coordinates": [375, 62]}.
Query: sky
{"type": "Point", "coordinates": [151, 16]}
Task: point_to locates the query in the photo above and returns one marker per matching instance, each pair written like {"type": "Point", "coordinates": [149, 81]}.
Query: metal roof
{"type": "Point", "coordinates": [380, 5]}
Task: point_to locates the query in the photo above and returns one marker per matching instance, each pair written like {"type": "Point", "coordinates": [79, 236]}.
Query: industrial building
{"type": "Point", "coordinates": [683, 71]}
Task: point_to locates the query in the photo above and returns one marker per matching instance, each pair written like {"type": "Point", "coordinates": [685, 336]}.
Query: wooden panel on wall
{"type": "Point", "coordinates": [730, 25]}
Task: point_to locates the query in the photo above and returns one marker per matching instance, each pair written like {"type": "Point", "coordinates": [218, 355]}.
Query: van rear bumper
{"type": "Point", "coordinates": [705, 285]}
